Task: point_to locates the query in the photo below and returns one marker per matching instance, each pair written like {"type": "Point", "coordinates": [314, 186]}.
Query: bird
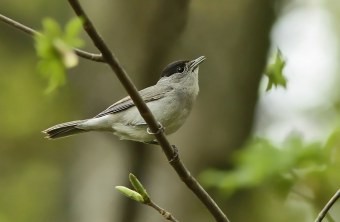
{"type": "Point", "coordinates": [170, 100]}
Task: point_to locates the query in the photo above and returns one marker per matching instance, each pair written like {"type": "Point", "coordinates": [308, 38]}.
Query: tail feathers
{"type": "Point", "coordinates": [64, 129]}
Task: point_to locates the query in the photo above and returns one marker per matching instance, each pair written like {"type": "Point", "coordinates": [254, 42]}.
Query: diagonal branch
{"type": "Point", "coordinates": [167, 215]}
{"type": "Point", "coordinates": [168, 31]}
{"type": "Point", "coordinates": [32, 32]}
{"type": "Point", "coordinates": [145, 112]}
{"type": "Point", "coordinates": [328, 206]}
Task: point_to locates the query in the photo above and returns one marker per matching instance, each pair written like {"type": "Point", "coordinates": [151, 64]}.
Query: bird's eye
{"type": "Point", "coordinates": [180, 69]}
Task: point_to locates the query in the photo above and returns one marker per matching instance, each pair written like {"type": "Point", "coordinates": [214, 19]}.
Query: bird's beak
{"type": "Point", "coordinates": [194, 63]}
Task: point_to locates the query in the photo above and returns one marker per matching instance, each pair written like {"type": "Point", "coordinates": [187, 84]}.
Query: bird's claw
{"type": "Point", "coordinates": [160, 129]}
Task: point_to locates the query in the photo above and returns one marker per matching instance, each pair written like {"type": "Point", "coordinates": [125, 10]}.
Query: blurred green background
{"type": "Point", "coordinates": [287, 174]}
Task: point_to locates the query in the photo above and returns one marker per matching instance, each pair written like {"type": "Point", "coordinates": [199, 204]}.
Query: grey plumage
{"type": "Point", "coordinates": [170, 101]}
{"type": "Point", "coordinates": [69, 128]}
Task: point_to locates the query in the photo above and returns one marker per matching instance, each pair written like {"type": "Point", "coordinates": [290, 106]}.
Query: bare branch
{"type": "Point", "coordinates": [167, 215]}
{"type": "Point", "coordinates": [32, 32]}
{"type": "Point", "coordinates": [145, 112]}
{"type": "Point", "coordinates": [328, 206]}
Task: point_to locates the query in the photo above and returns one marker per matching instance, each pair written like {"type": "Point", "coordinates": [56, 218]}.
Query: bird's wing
{"type": "Point", "coordinates": [148, 94]}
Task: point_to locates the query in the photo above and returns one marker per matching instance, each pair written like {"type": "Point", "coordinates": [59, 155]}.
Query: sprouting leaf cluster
{"type": "Point", "coordinates": [54, 48]}
{"type": "Point", "coordinates": [139, 194]}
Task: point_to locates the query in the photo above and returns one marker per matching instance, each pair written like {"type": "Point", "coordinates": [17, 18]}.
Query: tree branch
{"type": "Point", "coordinates": [169, 31]}
{"type": "Point", "coordinates": [167, 215]}
{"type": "Point", "coordinates": [145, 112]}
{"type": "Point", "coordinates": [328, 206]}
{"type": "Point", "coordinates": [32, 32]}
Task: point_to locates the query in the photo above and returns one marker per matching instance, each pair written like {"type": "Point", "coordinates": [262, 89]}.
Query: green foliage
{"type": "Point", "coordinates": [274, 72]}
{"type": "Point", "coordinates": [139, 194]}
{"type": "Point", "coordinates": [55, 50]}
{"type": "Point", "coordinates": [261, 161]}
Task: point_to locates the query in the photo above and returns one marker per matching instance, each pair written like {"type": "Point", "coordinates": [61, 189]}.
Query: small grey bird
{"type": "Point", "coordinates": [170, 101]}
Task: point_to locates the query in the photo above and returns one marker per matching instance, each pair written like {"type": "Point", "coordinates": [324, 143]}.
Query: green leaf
{"type": "Point", "coordinates": [130, 194]}
{"type": "Point", "coordinates": [139, 187]}
{"type": "Point", "coordinates": [51, 28]}
{"type": "Point", "coordinates": [53, 70]}
{"type": "Point", "coordinates": [274, 72]}
{"type": "Point", "coordinates": [72, 30]}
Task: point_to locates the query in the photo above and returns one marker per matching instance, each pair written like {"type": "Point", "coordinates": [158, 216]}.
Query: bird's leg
{"type": "Point", "coordinates": [175, 156]}
{"type": "Point", "coordinates": [160, 129]}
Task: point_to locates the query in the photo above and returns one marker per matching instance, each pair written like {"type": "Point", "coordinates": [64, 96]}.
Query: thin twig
{"type": "Point", "coordinates": [145, 112]}
{"type": "Point", "coordinates": [311, 201]}
{"type": "Point", "coordinates": [32, 32]}
{"type": "Point", "coordinates": [328, 206]}
{"type": "Point", "coordinates": [167, 215]}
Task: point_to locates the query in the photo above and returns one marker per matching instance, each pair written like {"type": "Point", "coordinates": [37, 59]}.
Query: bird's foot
{"type": "Point", "coordinates": [160, 129]}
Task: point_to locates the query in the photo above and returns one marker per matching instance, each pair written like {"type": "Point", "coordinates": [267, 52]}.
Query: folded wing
{"type": "Point", "coordinates": [149, 94]}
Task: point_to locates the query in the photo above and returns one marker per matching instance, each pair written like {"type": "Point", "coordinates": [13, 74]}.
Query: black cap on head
{"type": "Point", "coordinates": [174, 67]}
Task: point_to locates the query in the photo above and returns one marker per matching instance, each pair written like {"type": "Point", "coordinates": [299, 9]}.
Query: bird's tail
{"type": "Point", "coordinates": [64, 129]}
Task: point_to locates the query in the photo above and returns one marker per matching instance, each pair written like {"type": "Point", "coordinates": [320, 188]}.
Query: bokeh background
{"type": "Point", "coordinates": [73, 179]}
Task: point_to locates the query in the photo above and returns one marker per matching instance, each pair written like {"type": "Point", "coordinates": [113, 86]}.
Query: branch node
{"type": "Point", "coordinates": [32, 32]}
{"type": "Point", "coordinates": [175, 157]}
